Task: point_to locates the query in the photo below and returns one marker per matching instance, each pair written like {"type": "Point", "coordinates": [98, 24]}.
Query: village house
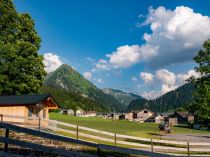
{"type": "Point", "coordinates": [24, 109]}
{"type": "Point", "coordinates": [130, 116]}
{"type": "Point", "coordinates": [80, 113]}
{"type": "Point", "coordinates": [91, 113]}
{"type": "Point", "coordinates": [67, 112]}
{"type": "Point", "coordinates": [144, 115]}
{"type": "Point", "coordinates": [183, 117]}
{"type": "Point", "coordinates": [159, 119]}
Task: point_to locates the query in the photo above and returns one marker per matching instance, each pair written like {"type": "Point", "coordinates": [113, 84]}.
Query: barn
{"type": "Point", "coordinates": [26, 108]}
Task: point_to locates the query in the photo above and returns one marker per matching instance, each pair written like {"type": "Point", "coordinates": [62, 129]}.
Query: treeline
{"type": "Point", "coordinates": [180, 97]}
{"type": "Point", "coordinates": [72, 100]}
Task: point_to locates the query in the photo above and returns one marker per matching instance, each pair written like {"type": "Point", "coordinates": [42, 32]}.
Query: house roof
{"type": "Point", "coordinates": [184, 114]}
{"type": "Point", "coordinates": [27, 99]}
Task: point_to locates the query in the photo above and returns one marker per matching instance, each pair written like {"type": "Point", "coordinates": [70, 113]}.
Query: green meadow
{"type": "Point", "coordinates": [122, 126]}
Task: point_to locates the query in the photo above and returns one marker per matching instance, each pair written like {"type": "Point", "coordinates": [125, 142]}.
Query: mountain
{"type": "Point", "coordinates": [72, 100]}
{"type": "Point", "coordinates": [122, 97]}
{"type": "Point", "coordinates": [169, 101]}
{"type": "Point", "coordinates": [68, 79]}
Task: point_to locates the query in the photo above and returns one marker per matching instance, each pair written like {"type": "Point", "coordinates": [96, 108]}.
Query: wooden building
{"type": "Point", "coordinates": [183, 117]}
{"type": "Point", "coordinates": [144, 115]}
{"type": "Point", "coordinates": [26, 108]}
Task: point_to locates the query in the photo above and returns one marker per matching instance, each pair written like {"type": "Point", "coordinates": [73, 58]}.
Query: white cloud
{"type": "Point", "coordinates": [167, 81]}
{"type": "Point", "coordinates": [176, 36]}
{"type": "Point", "coordinates": [51, 62]}
{"type": "Point", "coordinates": [185, 77]}
{"type": "Point", "coordinates": [151, 94]}
{"type": "Point", "coordinates": [87, 75]}
{"type": "Point", "coordinates": [134, 79]}
{"type": "Point", "coordinates": [147, 77]}
{"type": "Point", "coordinates": [99, 80]}
{"type": "Point", "coordinates": [102, 65]}
{"type": "Point", "coordinates": [125, 56]}
{"type": "Point", "coordinates": [166, 77]}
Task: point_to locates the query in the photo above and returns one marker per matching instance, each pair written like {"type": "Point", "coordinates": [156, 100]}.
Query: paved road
{"type": "Point", "coordinates": [186, 137]}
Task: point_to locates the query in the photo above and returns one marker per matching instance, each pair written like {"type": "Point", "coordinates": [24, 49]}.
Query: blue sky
{"type": "Point", "coordinates": [82, 33]}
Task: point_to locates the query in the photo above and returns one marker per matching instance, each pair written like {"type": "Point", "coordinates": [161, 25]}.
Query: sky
{"type": "Point", "coordinates": [140, 46]}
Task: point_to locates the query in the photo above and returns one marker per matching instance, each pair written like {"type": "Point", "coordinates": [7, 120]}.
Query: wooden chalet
{"type": "Point", "coordinates": [26, 108]}
{"type": "Point", "coordinates": [183, 117]}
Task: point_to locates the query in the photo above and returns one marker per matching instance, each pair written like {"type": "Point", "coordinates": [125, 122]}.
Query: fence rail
{"type": "Point", "coordinates": [94, 136]}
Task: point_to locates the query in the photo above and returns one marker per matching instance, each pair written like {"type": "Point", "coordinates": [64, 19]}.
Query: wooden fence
{"type": "Point", "coordinates": [118, 142]}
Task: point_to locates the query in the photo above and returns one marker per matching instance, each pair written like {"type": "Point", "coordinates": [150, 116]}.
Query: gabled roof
{"type": "Point", "coordinates": [184, 114]}
{"type": "Point", "coordinates": [26, 99]}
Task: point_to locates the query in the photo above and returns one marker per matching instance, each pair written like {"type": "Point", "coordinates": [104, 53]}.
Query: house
{"type": "Point", "coordinates": [144, 115]}
{"type": "Point", "coordinates": [159, 119]}
{"type": "Point", "coordinates": [67, 111]}
{"type": "Point", "coordinates": [80, 113]}
{"type": "Point", "coordinates": [183, 117]}
{"type": "Point", "coordinates": [130, 116]}
{"type": "Point", "coordinates": [26, 109]}
{"type": "Point", "coordinates": [91, 113]}
{"type": "Point", "coordinates": [172, 121]}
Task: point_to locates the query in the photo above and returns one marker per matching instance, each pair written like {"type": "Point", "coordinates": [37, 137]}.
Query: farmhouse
{"type": "Point", "coordinates": [91, 113]}
{"type": "Point", "coordinates": [80, 113]}
{"type": "Point", "coordinates": [67, 112]}
{"type": "Point", "coordinates": [183, 117]}
{"type": "Point", "coordinates": [159, 119]}
{"type": "Point", "coordinates": [144, 115]}
{"type": "Point", "coordinates": [32, 106]}
{"type": "Point", "coordinates": [130, 116]}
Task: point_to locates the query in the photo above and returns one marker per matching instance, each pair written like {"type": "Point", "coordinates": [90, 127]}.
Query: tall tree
{"type": "Point", "coordinates": [201, 104]}
{"type": "Point", "coordinates": [21, 67]}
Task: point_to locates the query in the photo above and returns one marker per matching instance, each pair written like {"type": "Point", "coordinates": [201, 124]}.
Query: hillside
{"type": "Point", "coordinates": [68, 79]}
{"type": "Point", "coordinates": [72, 100]}
{"type": "Point", "coordinates": [122, 97]}
{"type": "Point", "coordinates": [169, 101]}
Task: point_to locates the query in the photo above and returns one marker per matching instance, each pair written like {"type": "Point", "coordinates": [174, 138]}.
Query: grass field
{"type": "Point", "coordinates": [121, 126]}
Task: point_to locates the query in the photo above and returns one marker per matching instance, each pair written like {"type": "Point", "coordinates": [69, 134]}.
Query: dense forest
{"type": "Point", "coordinates": [168, 102]}
{"type": "Point", "coordinates": [72, 100]}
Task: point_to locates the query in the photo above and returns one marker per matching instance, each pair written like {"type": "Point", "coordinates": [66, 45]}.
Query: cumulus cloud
{"type": "Point", "coordinates": [125, 56]}
{"type": "Point", "coordinates": [178, 33]}
{"type": "Point", "coordinates": [51, 62]}
{"type": "Point", "coordinates": [87, 75]}
{"type": "Point", "coordinates": [176, 36]}
{"type": "Point", "coordinates": [167, 77]}
{"type": "Point", "coordinates": [190, 73]}
{"type": "Point", "coordinates": [147, 77]}
{"type": "Point", "coordinates": [151, 94]}
{"type": "Point", "coordinates": [168, 81]}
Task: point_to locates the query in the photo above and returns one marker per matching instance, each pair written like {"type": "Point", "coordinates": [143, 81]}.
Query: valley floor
{"type": "Point", "coordinates": [148, 130]}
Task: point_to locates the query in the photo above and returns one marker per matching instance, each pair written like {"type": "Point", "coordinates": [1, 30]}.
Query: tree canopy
{"type": "Point", "coordinates": [201, 104]}
{"type": "Point", "coordinates": [21, 67]}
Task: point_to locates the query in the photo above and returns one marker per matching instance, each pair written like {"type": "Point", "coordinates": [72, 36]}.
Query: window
{"type": "Point", "coordinates": [145, 111]}
{"type": "Point", "coordinates": [30, 111]}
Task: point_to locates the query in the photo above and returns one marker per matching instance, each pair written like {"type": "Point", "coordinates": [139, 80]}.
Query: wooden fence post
{"type": "Point", "coordinates": [1, 115]}
{"type": "Point", "coordinates": [39, 124]}
{"type": "Point", "coordinates": [77, 133]}
{"type": "Point", "coordinates": [98, 152]}
{"type": "Point", "coordinates": [188, 148]}
{"type": "Point", "coordinates": [115, 139]}
{"type": "Point", "coordinates": [6, 144]}
{"type": "Point", "coordinates": [151, 145]}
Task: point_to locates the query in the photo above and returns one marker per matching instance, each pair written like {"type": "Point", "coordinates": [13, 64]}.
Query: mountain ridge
{"type": "Point", "coordinates": [67, 78]}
